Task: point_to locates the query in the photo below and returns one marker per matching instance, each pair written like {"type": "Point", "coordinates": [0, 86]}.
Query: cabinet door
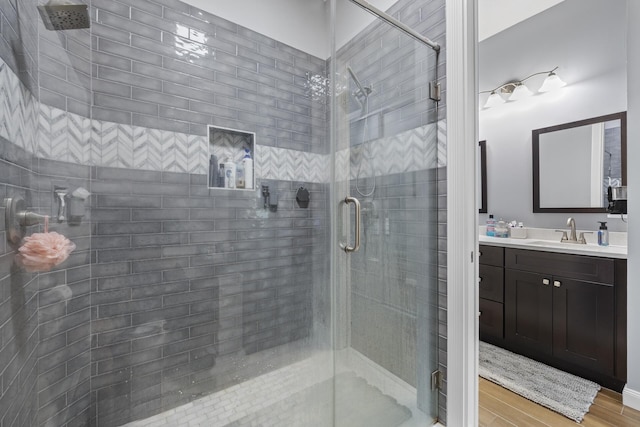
{"type": "Point", "coordinates": [583, 324]}
{"type": "Point", "coordinates": [491, 283]}
{"type": "Point", "coordinates": [528, 321]}
{"type": "Point", "coordinates": [491, 320]}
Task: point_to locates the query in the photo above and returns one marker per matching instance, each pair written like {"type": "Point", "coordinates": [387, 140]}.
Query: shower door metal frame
{"type": "Point", "coordinates": [394, 22]}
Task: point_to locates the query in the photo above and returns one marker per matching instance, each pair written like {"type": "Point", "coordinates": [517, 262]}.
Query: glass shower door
{"type": "Point", "coordinates": [385, 130]}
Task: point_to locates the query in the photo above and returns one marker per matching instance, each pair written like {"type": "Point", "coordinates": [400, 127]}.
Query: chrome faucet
{"type": "Point", "coordinates": [571, 223]}
{"type": "Point", "coordinates": [572, 235]}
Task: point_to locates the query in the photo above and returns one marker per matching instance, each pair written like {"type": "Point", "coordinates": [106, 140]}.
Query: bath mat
{"type": "Point", "coordinates": [559, 391]}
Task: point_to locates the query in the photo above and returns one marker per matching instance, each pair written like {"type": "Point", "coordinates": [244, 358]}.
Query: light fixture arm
{"type": "Point", "coordinates": [537, 74]}
{"type": "Point", "coordinates": [515, 83]}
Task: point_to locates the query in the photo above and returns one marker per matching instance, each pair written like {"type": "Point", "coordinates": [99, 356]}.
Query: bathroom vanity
{"type": "Point", "coordinates": [561, 304]}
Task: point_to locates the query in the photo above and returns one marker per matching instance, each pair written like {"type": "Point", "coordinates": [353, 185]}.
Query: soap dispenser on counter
{"type": "Point", "coordinates": [491, 226]}
{"type": "Point", "coordinates": [603, 234]}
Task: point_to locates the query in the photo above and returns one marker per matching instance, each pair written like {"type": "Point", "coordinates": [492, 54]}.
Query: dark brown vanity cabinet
{"type": "Point", "coordinates": [562, 309]}
{"type": "Point", "coordinates": [491, 292]}
{"type": "Point", "coordinates": [568, 311]}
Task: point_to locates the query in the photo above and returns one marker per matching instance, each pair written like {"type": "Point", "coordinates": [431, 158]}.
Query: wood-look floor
{"type": "Point", "coordinates": [500, 407]}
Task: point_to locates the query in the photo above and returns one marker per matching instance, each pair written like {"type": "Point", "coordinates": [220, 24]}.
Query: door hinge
{"type": "Point", "coordinates": [436, 380]}
{"type": "Point", "coordinates": [434, 91]}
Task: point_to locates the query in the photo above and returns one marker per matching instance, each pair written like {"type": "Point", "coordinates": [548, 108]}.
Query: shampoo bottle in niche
{"type": "Point", "coordinates": [603, 234]}
{"type": "Point", "coordinates": [247, 163]}
{"type": "Point", "coordinates": [239, 175]}
{"type": "Point", "coordinates": [213, 171]}
{"type": "Point", "coordinates": [491, 226]}
{"type": "Point", "coordinates": [221, 175]}
{"type": "Point", "coordinates": [229, 173]}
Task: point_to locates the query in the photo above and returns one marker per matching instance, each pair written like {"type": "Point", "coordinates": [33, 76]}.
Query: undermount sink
{"type": "Point", "coordinates": [546, 243]}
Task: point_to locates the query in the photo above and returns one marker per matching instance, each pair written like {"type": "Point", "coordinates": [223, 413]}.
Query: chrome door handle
{"type": "Point", "coordinates": [356, 245]}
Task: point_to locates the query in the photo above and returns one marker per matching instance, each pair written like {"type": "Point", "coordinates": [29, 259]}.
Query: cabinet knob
{"type": "Point", "coordinates": [546, 281]}
{"type": "Point", "coordinates": [479, 279]}
{"type": "Point", "coordinates": [479, 313]}
{"type": "Point", "coordinates": [557, 283]}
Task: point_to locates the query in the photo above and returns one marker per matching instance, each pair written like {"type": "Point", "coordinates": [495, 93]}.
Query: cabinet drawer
{"type": "Point", "coordinates": [491, 283]}
{"type": "Point", "coordinates": [491, 255]}
{"type": "Point", "coordinates": [592, 269]}
{"type": "Point", "coordinates": [491, 319]}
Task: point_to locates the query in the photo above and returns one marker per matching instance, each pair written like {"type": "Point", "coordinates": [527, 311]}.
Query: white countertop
{"type": "Point", "coordinates": [547, 240]}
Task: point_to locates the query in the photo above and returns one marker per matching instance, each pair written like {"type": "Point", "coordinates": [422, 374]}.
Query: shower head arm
{"type": "Point", "coordinates": [362, 90]}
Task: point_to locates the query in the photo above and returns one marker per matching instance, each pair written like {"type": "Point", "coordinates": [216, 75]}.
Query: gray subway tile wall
{"type": "Point", "coordinates": [176, 67]}
{"type": "Point", "coordinates": [64, 306]}
{"type": "Point", "coordinates": [19, 40]}
{"type": "Point", "coordinates": [178, 287]}
{"type": "Point", "coordinates": [19, 326]}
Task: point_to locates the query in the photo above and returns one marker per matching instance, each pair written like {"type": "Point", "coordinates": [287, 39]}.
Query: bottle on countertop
{"type": "Point", "coordinates": [491, 226]}
{"type": "Point", "coordinates": [501, 229]}
{"type": "Point", "coordinates": [603, 234]}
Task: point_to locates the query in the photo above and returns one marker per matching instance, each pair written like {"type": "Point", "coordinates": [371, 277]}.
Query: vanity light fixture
{"type": "Point", "coordinates": [552, 82]}
{"type": "Point", "coordinates": [493, 100]}
{"type": "Point", "coordinates": [516, 89]}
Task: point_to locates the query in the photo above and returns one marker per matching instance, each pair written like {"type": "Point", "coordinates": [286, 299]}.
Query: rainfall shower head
{"type": "Point", "coordinates": [362, 90]}
{"type": "Point", "coordinates": [63, 16]}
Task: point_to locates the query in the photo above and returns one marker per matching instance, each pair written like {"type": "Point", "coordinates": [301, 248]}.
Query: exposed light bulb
{"type": "Point", "coordinates": [552, 82]}
{"type": "Point", "coordinates": [520, 92]}
{"type": "Point", "coordinates": [493, 100]}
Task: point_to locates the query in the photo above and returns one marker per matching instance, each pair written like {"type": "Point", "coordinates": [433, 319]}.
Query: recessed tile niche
{"type": "Point", "coordinates": [229, 168]}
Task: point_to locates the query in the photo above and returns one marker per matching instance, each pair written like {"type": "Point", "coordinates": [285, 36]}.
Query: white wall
{"type": "Point", "coordinates": [632, 393]}
{"type": "Point", "coordinates": [303, 24]}
{"type": "Point", "coordinates": [498, 15]}
{"type": "Point", "coordinates": [591, 54]}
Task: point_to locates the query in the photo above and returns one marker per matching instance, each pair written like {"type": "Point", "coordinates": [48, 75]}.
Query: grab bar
{"type": "Point", "coordinates": [356, 245]}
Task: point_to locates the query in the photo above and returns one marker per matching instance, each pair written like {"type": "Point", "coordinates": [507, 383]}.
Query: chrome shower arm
{"type": "Point", "coordinates": [363, 90]}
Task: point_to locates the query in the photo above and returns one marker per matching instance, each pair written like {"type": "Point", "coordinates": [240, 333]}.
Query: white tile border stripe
{"type": "Point", "coordinates": [65, 136]}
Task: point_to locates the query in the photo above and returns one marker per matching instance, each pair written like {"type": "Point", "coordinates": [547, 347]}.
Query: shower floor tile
{"type": "Point", "coordinates": [242, 400]}
{"type": "Point", "coordinates": [301, 394]}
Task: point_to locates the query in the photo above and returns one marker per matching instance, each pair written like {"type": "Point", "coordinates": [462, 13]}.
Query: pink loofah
{"type": "Point", "coordinates": [43, 251]}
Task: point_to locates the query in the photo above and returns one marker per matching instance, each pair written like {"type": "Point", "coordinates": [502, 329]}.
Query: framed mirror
{"type": "Point", "coordinates": [481, 179]}
{"type": "Point", "coordinates": [574, 164]}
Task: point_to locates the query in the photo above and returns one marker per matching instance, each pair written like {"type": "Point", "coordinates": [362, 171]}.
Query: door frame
{"type": "Point", "coordinates": [462, 213]}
